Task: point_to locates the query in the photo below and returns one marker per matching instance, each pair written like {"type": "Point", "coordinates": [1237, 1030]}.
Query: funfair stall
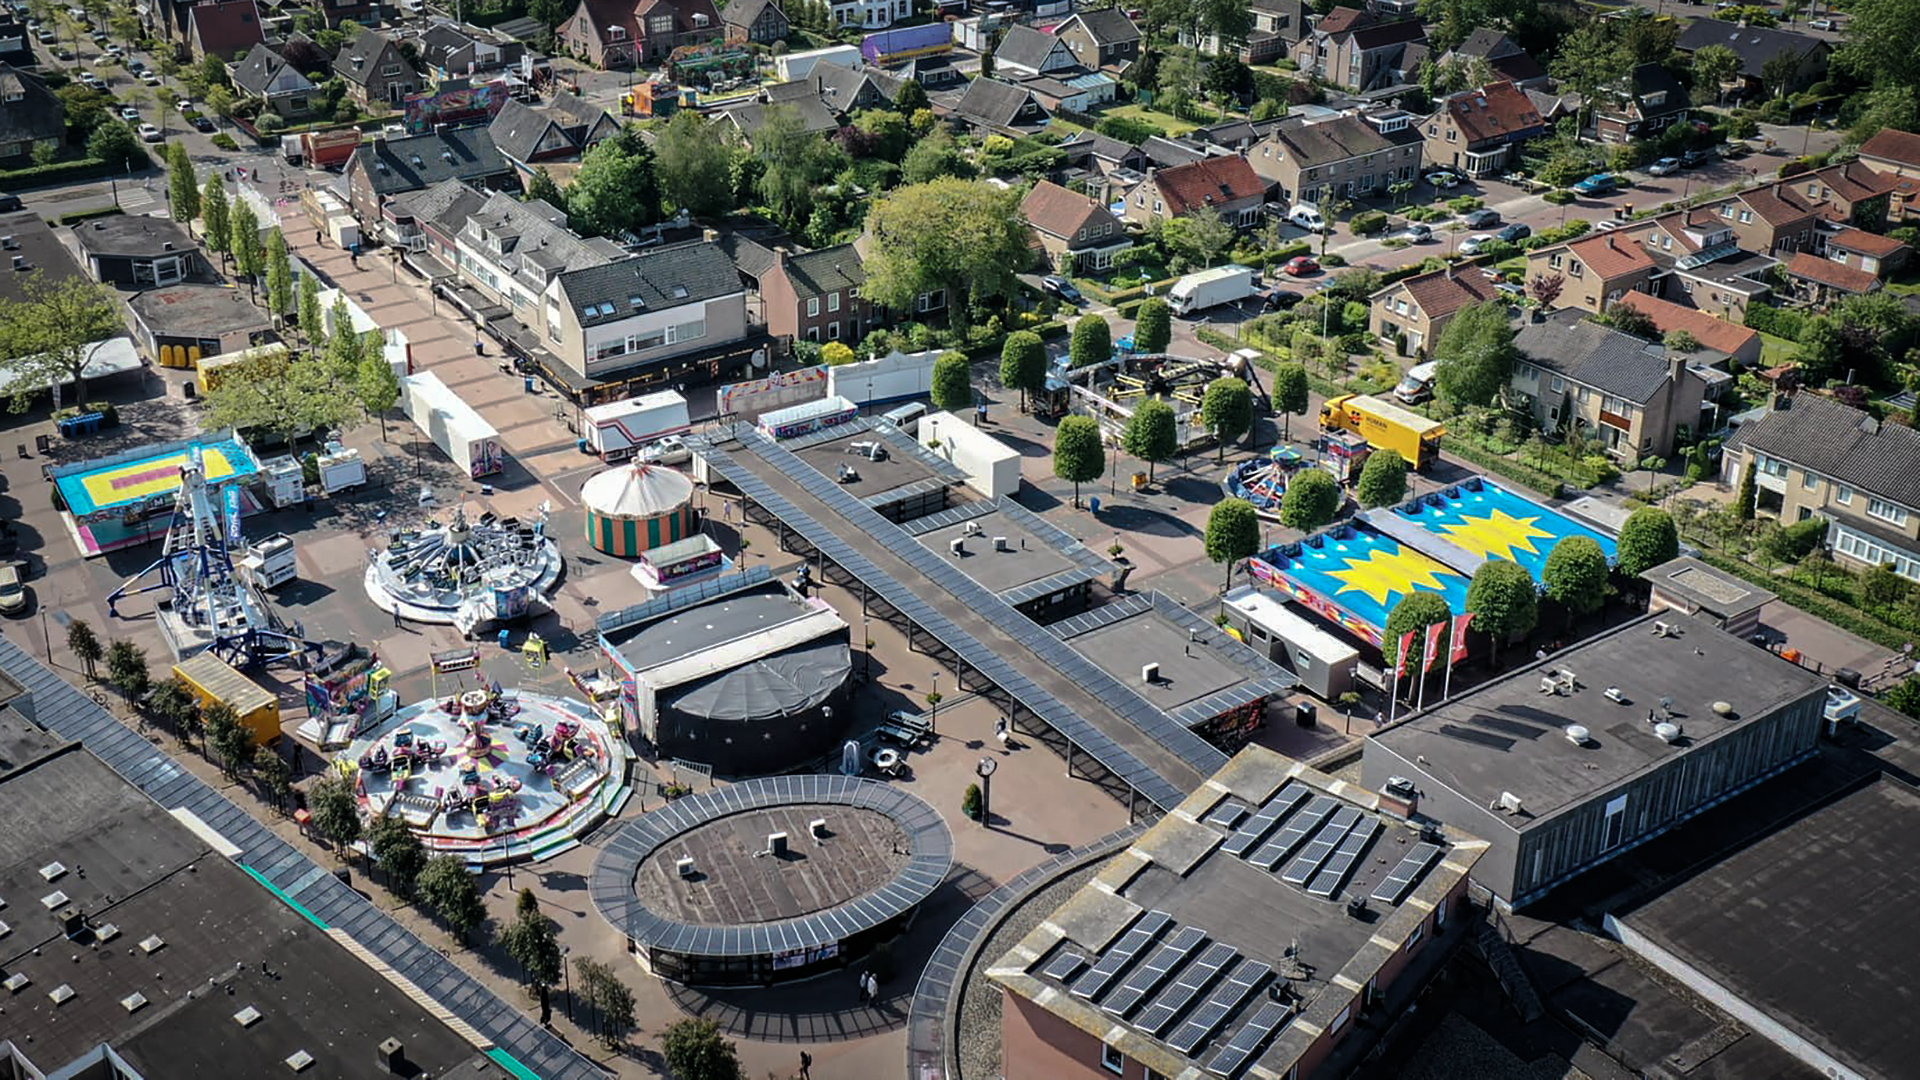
{"type": "Point", "coordinates": [452, 424]}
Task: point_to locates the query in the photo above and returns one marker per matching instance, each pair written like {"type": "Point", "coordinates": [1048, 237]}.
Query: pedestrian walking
{"type": "Point", "coordinates": [873, 987]}
{"type": "Point", "coordinates": [863, 988]}
{"type": "Point", "coordinates": [806, 1066]}
{"type": "Point", "coordinates": [319, 238]}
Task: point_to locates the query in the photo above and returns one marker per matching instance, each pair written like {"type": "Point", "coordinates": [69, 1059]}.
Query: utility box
{"type": "Point", "coordinates": [212, 679]}
{"type": "Point", "coordinates": [270, 563]}
{"type": "Point", "coordinates": [285, 480]}
{"type": "Point", "coordinates": [341, 469]}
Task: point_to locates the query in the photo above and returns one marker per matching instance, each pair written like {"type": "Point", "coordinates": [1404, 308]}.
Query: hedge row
{"type": "Point", "coordinates": [1517, 471]}
{"type": "Point", "coordinates": [1845, 616]}
{"type": "Point", "coordinates": [88, 215]}
{"type": "Point", "coordinates": [61, 172]}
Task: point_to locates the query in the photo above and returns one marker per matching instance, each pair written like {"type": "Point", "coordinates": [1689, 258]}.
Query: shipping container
{"type": "Point", "coordinates": [212, 679]}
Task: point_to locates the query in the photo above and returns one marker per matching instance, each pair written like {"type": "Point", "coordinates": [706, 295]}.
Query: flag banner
{"type": "Point", "coordinates": [1406, 647]}
{"type": "Point", "coordinates": [1434, 634]}
{"type": "Point", "coordinates": [1460, 624]}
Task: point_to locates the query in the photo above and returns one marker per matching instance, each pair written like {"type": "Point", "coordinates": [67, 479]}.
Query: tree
{"type": "Point", "coordinates": [1630, 320]}
{"type": "Point", "coordinates": [228, 737]}
{"type": "Point", "coordinates": [115, 144]}
{"type": "Point", "coordinates": [936, 155]}
{"type": "Point", "coordinates": [127, 670]}
{"type": "Point", "coordinates": [280, 297]}
{"type": "Point", "coordinates": [175, 706]}
{"type": "Point", "coordinates": [397, 850]}
{"type": "Point", "coordinates": [531, 941]}
{"type": "Point", "coordinates": [1233, 533]}
{"type": "Point", "coordinates": [1290, 388]}
{"type": "Point", "coordinates": [1023, 364]}
{"type": "Point", "coordinates": [182, 192]}
{"type": "Point", "coordinates": [610, 998]}
{"type": "Point", "coordinates": [1588, 61]}
{"type": "Point", "coordinates": [1092, 341]}
{"type": "Point", "coordinates": [1646, 540]}
{"type": "Point", "coordinates": [952, 388]}
{"type": "Point", "coordinates": [1881, 585]}
{"type": "Point", "coordinates": [1199, 239]}
{"type": "Point", "coordinates": [1078, 457]}
{"type": "Point", "coordinates": [690, 151]}
{"type": "Point", "coordinates": [1905, 696]}
{"type": "Point", "coordinates": [274, 774]}
{"type": "Point", "coordinates": [448, 888]}
{"type": "Point", "coordinates": [1153, 326]}
{"type": "Point", "coordinates": [795, 165]}
{"type": "Point", "coordinates": [1546, 288]}
{"type": "Point", "coordinates": [911, 98]}
{"type": "Point", "coordinates": [1476, 354]}
{"type": "Point", "coordinates": [1383, 479]}
{"type": "Point", "coordinates": [1503, 600]}
{"type": "Point", "coordinates": [249, 257]}
{"type": "Point", "coordinates": [45, 334]}
{"type": "Point", "coordinates": [1415, 611]}
{"type": "Point", "coordinates": [216, 225]}
{"type": "Point", "coordinates": [336, 812]}
{"type": "Point", "coordinates": [1716, 66]}
{"type": "Point", "coordinates": [961, 237]}
{"type": "Point", "coordinates": [84, 644]}
{"type": "Point", "coordinates": [540, 187]}
{"type": "Point", "coordinates": [615, 191]}
{"type": "Point", "coordinates": [313, 326]}
{"type": "Point", "coordinates": [1179, 80]}
{"type": "Point", "coordinates": [377, 387]}
{"type": "Point", "coordinates": [1152, 433]}
{"type": "Point", "coordinates": [1747, 496]}
{"type": "Point", "coordinates": [1575, 576]}
{"type": "Point", "coordinates": [220, 100]}
{"type": "Point", "coordinates": [695, 1050]}
{"type": "Point", "coordinates": [1227, 410]}
{"type": "Point", "coordinates": [549, 13]}
{"type": "Point", "coordinates": [213, 72]}
{"type": "Point", "coordinates": [1311, 500]}
{"type": "Point", "coordinates": [1680, 341]}
{"type": "Point", "coordinates": [1779, 73]}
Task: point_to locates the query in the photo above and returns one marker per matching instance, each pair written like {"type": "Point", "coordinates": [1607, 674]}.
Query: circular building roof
{"type": "Point", "coordinates": [884, 852]}
{"type": "Point", "coordinates": [637, 491]}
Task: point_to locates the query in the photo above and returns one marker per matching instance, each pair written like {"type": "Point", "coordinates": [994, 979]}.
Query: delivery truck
{"type": "Point", "coordinates": [1385, 426]}
{"type": "Point", "coordinates": [617, 429]}
{"type": "Point", "coordinates": [320, 149]}
{"type": "Point", "coordinates": [1211, 288]}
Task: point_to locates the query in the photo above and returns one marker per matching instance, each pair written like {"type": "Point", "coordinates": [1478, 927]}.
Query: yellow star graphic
{"type": "Point", "coordinates": [1496, 535]}
{"type": "Point", "coordinates": [1385, 573]}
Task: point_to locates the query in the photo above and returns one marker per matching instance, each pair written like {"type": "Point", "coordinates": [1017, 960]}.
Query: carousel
{"type": "Point", "coordinates": [466, 572]}
{"type": "Point", "coordinates": [491, 774]}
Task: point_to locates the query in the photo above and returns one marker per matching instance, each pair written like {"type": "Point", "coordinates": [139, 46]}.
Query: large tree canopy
{"type": "Point", "coordinates": [1476, 354]}
{"type": "Point", "coordinates": [963, 236]}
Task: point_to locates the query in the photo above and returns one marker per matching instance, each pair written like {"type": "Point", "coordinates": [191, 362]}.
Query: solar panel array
{"type": "Point", "coordinates": [1112, 709]}
{"type": "Point", "coordinates": [1158, 1016]}
{"type": "Point", "coordinates": [1108, 967]}
{"type": "Point", "coordinates": [1156, 970]}
{"type": "Point", "coordinates": [1225, 1000]}
{"type": "Point", "coordinates": [1255, 828]}
{"type": "Point", "coordinates": [1247, 1042]}
{"type": "Point", "coordinates": [1334, 873]}
{"type": "Point", "coordinates": [1275, 851]}
{"type": "Point", "coordinates": [1399, 883]}
{"type": "Point", "coordinates": [1320, 848]}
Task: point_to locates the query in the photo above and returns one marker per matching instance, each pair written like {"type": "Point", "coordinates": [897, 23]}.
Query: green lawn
{"type": "Point", "coordinates": [1775, 350]}
{"type": "Point", "coordinates": [1172, 125]}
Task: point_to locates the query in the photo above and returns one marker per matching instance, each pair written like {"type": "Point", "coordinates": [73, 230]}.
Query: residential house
{"type": "Point", "coordinates": [994, 107]}
{"type": "Point", "coordinates": [335, 12]}
{"type": "Point", "coordinates": [868, 14]}
{"type": "Point", "coordinates": [1077, 233]}
{"type": "Point", "coordinates": [1026, 50]}
{"type": "Point", "coordinates": [1854, 193]}
{"type": "Point", "coordinates": [224, 28]}
{"type": "Point", "coordinates": [213, 319]}
{"type": "Point", "coordinates": [1503, 56]}
{"type": "Point", "coordinates": [139, 252]}
{"type": "Point", "coordinates": [1344, 156]}
{"type": "Point", "coordinates": [1701, 263]}
{"type": "Point", "coordinates": [1077, 95]}
{"type": "Point", "coordinates": [1165, 153]}
{"type": "Point", "coordinates": [1235, 135]}
{"type": "Point", "coordinates": [815, 115]}
{"type": "Point", "coordinates": [1356, 50]}
{"type": "Point", "coordinates": [1877, 255]}
{"type": "Point", "coordinates": [1815, 457]}
{"type": "Point", "coordinates": [456, 51]}
{"type": "Point", "coordinates": [1645, 103]}
{"type": "Point", "coordinates": [671, 313]}
{"type": "Point", "coordinates": [16, 48]}
{"type": "Point", "coordinates": [815, 295]}
{"type": "Point", "coordinates": [1720, 341]}
{"type": "Point", "coordinates": [509, 252]}
{"type": "Point", "coordinates": [428, 222]}
{"type": "Point", "coordinates": [1412, 313]}
{"type": "Point", "coordinates": [848, 90]}
{"type": "Point", "coordinates": [1277, 27]}
{"type": "Point", "coordinates": [759, 21]}
{"type": "Point", "coordinates": [1594, 270]}
{"type": "Point", "coordinates": [1477, 131]}
{"type": "Point", "coordinates": [1777, 219]}
{"type": "Point", "coordinates": [266, 75]}
{"type": "Point", "coordinates": [1823, 282]}
{"type": "Point", "coordinates": [375, 69]}
{"type": "Point", "coordinates": [1103, 163]}
{"type": "Point", "coordinates": [1104, 40]}
{"type": "Point", "coordinates": [384, 167]}
{"type": "Point", "coordinates": [931, 72]}
{"type": "Point", "coordinates": [1802, 57]}
{"type": "Point", "coordinates": [1895, 155]}
{"type": "Point", "coordinates": [622, 33]}
{"type": "Point", "coordinates": [30, 115]}
{"type": "Point", "coordinates": [1226, 185]}
{"type": "Point", "coordinates": [1631, 395]}
{"type": "Point", "coordinates": [30, 250]}
{"type": "Point", "coordinates": [561, 130]}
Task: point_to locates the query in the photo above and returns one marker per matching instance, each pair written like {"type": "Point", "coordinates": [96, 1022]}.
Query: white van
{"type": "Point", "coordinates": [13, 596]}
{"type": "Point", "coordinates": [906, 417]}
{"type": "Point", "coordinates": [1308, 218]}
{"type": "Point", "coordinates": [1418, 385]}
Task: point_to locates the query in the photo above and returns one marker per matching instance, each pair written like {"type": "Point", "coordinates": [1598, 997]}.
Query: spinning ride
{"type": "Point", "coordinates": [1262, 481]}
{"type": "Point", "coordinates": [466, 572]}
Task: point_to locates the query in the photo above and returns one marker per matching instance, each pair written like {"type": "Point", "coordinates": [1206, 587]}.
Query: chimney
{"type": "Point", "coordinates": [1399, 797]}
{"type": "Point", "coordinates": [1676, 367]}
{"type": "Point", "coordinates": [392, 1054]}
{"type": "Point", "coordinates": [711, 236]}
{"type": "Point", "coordinates": [1152, 169]}
{"type": "Point", "coordinates": [780, 256]}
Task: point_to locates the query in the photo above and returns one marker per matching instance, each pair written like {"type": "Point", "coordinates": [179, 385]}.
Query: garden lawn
{"type": "Point", "coordinates": [1775, 351]}
{"type": "Point", "coordinates": [1172, 125]}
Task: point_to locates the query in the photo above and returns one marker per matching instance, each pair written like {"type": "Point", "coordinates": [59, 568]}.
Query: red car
{"type": "Point", "coordinates": [1300, 266]}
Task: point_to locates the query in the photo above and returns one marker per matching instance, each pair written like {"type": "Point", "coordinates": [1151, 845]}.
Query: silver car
{"type": "Point", "coordinates": [1481, 219]}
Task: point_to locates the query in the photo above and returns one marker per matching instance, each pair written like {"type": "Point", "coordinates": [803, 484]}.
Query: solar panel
{"type": "Point", "coordinates": [1275, 851]}
{"type": "Point", "coordinates": [1227, 815]}
{"type": "Point", "coordinates": [1064, 966]}
{"type": "Point", "coordinates": [1225, 999]}
{"type": "Point", "coordinates": [1334, 874]}
{"type": "Point", "coordinates": [1271, 811]}
{"type": "Point", "coordinates": [1158, 1016]}
{"type": "Point", "coordinates": [1308, 861]}
{"type": "Point", "coordinates": [1148, 976]}
{"type": "Point", "coordinates": [1108, 966]}
{"type": "Point", "coordinates": [1249, 1039]}
{"type": "Point", "coordinates": [1399, 883]}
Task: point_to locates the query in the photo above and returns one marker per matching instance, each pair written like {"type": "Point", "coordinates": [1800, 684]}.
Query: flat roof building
{"type": "Point", "coordinates": [1691, 587]}
{"type": "Point", "coordinates": [1570, 760]}
{"type": "Point", "coordinates": [1031, 563]}
{"type": "Point", "coordinates": [1244, 934]}
{"type": "Point", "coordinates": [882, 467]}
{"type": "Point", "coordinates": [1184, 665]}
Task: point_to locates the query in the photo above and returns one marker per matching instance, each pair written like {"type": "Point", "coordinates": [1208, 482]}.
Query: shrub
{"type": "Point", "coordinates": [224, 141]}
{"type": "Point", "coordinates": [1560, 197]}
{"type": "Point", "coordinates": [1368, 223]}
{"type": "Point", "coordinates": [970, 802]}
{"type": "Point", "coordinates": [271, 123]}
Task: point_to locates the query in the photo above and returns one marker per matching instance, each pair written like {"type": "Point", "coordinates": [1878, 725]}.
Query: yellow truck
{"type": "Point", "coordinates": [212, 679]}
{"type": "Point", "coordinates": [1385, 426]}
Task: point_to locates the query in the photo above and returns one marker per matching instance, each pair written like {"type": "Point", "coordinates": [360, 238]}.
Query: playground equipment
{"type": "Point", "coordinates": [466, 572]}
{"type": "Point", "coordinates": [209, 604]}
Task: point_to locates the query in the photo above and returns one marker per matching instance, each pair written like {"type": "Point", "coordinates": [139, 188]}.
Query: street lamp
{"type": "Point", "coordinates": [866, 648]}
{"type": "Point", "coordinates": [985, 771]}
{"type": "Point", "coordinates": [933, 705]}
{"type": "Point", "coordinates": [567, 976]}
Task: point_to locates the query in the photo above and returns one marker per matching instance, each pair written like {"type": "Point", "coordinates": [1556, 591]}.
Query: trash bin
{"type": "Point", "coordinates": [1848, 678]}
{"type": "Point", "coordinates": [188, 390]}
{"type": "Point", "coordinates": [528, 383]}
{"type": "Point", "coordinates": [1304, 713]}
{"type": "Point", "coordinates": [580, 445]}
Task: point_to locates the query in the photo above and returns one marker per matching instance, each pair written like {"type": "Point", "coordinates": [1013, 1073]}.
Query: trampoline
{"type": "Point", "coordinates": [1493, 522]}
{"type": "Point", "coordinates": [1355, 575]}
{"type": "Point", "coordinates": [111, 485]}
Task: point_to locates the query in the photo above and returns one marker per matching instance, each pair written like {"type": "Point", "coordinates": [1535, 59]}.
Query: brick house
{"type": "Point", "coordinates": [1340, 157]}
{"type": "Point", "coordinates": [383, 168]}
{"type": "Point", "coordinates": [1631, 395]}
{"type": "Point", "coordinates": [815, 295]}
{"type": "Point", "coordinates": [375, 69]}
{"type": "Point", "coordinates": [1877, 255]}
{"type": "Point", "coordinates": [1076, 232]}
{"type": "Point", "coordinates": [1104, 40]}
{"type": "Point", "coordinates": [266, 75]}
{"type": "Point", "coordinates": [1648, 101]}
{"type": "Point", "coordinates": [1757, 46]}
{"type": "Point", "coordinates": [1477, 131]}
{"type": "Point", "coordinates": [1738, 345]}
{"type": "Point", "coordinates": [1776, 220]}
{"type": "Point", "coordinates": [1357, 50]}
{"type": "Point", "coordinates": [1226, 185]}
{"type": "Point", "coordinates": [30, 114]}
{"type": "Point", "coordinates": [1420, 307]}
{"type": "Point", "coordinates": [1896, 155]}
{"type": "Point", "coordinates": [223, 28]}
{"type": "Point", "coordinates": [761, 21]}
{"type": "Point", "coordinates": [622, 33]}
{"type": "Point", "coordinates": [1595, 270]}
{"type": "Point", "coordinates": [1823, 282]}
{"type": "Point", "coordinates": [1701, 263]}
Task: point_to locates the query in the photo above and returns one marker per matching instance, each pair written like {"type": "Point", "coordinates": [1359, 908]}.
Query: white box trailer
{"type": "Point", "coordinates": [452, 424]}
{"type": "Point", "coordinates": [270, 563]}
{"type": "Point", "coordinates": [341, 469]}
{"type": "Point", "coordinates": [1324, 662]}
{"type": "Point", "coordinates": [618, 429]}
{"type": "Point", "coordinates": [897, 376]}
{"type": "Point", "coordinates": [795, 66]}
{"type": "Point", "coordinates": [1210, 288]}
{"type": "Point", "coordinates": [992, 467]}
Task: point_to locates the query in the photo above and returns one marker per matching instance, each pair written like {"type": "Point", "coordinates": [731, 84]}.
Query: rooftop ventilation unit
{"type": "Point", "coordinates": [1724, 709]}
{"type": "Point", "coordinates": [52, 871]}
{"type": "Point", "coordinates": [1400, 787]}
{"type": "Point", "coordinates": [1669, 733]}
{"type": "Point", "coordinates": [19, 262]}
{"type": "Point", "coordinates": [1149, 673]}
{"type": "Point", "coordinates": [972, 529]}
{"type": "Point", "coordinates": [1559, 682]}
{"type": "Point", "coordinates": [957, 546]}
{"type": "Point", "coordinates": [684, 865]}
{"type": "Point", "coordinates": [247, 1017]}
{"type": "Point", "coordinates": [818, 828]}
{"type": "Point", "coordinates": [1662, 628]}
{"type": "Point", "coordinates": [776, 844]}
{"type": "Point", "coordinates": [299, 1060]}
{"type": "Point", "coordinates": [7, 242]}
{"type": "Point", "coordinates": [1614, 694]}
{"type": "Point", "coordinates": [1509, 802]}
{"type": "Point", "coordinates": [1578, 735]}
{"type": "Point", "coordinates": [1000, 544]}
{"type": "Point", "coordinates": [133, 1002]}
{"type": "Point", "coordinates": [392, 1055]}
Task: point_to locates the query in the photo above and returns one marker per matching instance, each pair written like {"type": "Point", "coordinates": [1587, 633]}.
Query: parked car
{"type": "Point", "coordinates": [13, 596]}
{"type": "Point", "coordinates": [1061, 288]}
{"type": "Point", "coordinates": [130, 114]}
{"type": "Point", "coordinates": [10, 203]}
{"type": "Point", "coordinates": [149, 133]}
{"type": "Point", "coordinates": [1441, 178]}
{"type": "Point", "coordinates": [63, 53]}
{"type": "Point", "coordinates": [1696, 157]}
{"type": "Point", "coordinates": [1605, 226]}
{"type": "Point", "coordinates": [91, 81]}
{"type": "Point", "coordinates": [201, 123]}
{"type": "Point", "coordinates": [1481, 219]}
{"type": "Point", "coordinates": [1416, 233]}
{"type": "Point", "coordinates": [1666, 166]}
{"type": "Point", "coordinates": [671, 450]}
{"type": "Point", "coordinates": [1308, 218]}
{"type": "Point", "coordinates": [1476, 243]}
{"type": "Point", "coordinates": [1280, 300]}
{"type": "Point", "coordinates": [47, 37]}
{"type": "Point", "coordinates": [1300, 266]}
{"type": "Point", "coordinates": [1823, 24]}
{"type": "Point", "coordinates": [1515, 233]}
{"type": "Point", "coordinates": [150, 78]}
{"type": "Point", "coordinates": [184, 106]}
{"type": "Point", "coordinates": [1597, 184]}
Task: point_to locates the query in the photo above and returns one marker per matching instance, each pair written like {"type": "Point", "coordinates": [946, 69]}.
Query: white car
{"type": "Point", "coordinates": [671, 450]}
{"type": "Point", "coordinates": [1443, 179]}
{"type": "Point", "coordinates": [130, 114]}
{"type": "Point", "coordinates": [150, 78]}
{"type": "Point", "coordinates": [1416, 233]}
{"type": "Point", "coordinates": [149, 133]}
{"type": "Point", "coordinates": [183, 105]}
{"type": "Point", "coordinates": [1474, 244]}
{"type": "Point", "coordinates": [91, 81]}
{"type": "Point", "coordinates": [1606, 225]}
{"type": "Point", "coordinates": [1666, 166]}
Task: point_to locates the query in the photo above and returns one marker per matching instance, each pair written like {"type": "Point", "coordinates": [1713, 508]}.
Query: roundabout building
{"type": "Point", "coordinates": [771, 880]}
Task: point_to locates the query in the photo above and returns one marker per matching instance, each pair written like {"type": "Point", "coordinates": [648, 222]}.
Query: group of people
{"type": "Point", "coordinates": [869, 988]}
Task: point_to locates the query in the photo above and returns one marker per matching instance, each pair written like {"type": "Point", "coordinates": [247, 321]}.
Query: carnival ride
{"type": "Point", "coordinates": [1262, 481]}
{"type": "Point", "coordinates": [466, 572]}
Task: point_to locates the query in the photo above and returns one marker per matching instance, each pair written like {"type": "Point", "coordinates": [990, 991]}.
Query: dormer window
{"type": "Point", "coordinates": [616, 33]}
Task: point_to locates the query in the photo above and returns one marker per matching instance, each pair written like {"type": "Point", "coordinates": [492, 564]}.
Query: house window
{"type": "Point", "coordinates": [1574, 268]}
{"type": "Point", "coordinates": [833, 302]}
{"type": "Point", "coordinates": [390, 71]}
{"type": "Point", "coordinates": [1886, 511]}
{"type": "Point", "coordinates": [616, 33]}
{"type": "Point", "coordinates": [932, 301]}
{"type": "Point", "coordinates": [833, 331]}
{"type": "Point", "coordinates": [813, 333]}
{"type": "Point", "coordinates": [1843, 496]}
{"type": "Point", "coordinates": [660, 24]}
{"type": "Point", "coordinates": [1616, 824]}
{"type": "Point", "coordinates": [1340, 1020]}
{"type": "Point", "coordinates": [1553, 262]}
{"type": "Point", "coordinates": [853, 293]}
{"type": "Point", "coordinates": [1413, 939]}
{"type": "Point", "coordinates": [1559, 385]}
{"type": "Point", "coordinates": [813, 307]}
{"type": "Point", "coordinates": [1809, 480]}
{"type": "Point", "coordinates": [1726, 211]}
{"type": "Point", "coordinates": [1746, 216]}
{"type": "Point", "coordinates": [1113, 1059]}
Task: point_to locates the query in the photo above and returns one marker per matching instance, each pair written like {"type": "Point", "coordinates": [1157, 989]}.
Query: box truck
{"type": "Point", "coordinates": [618, 429]}
{"type": "Point", "coordinates": [1385, 426]}
{"type": "Point", "coordinates": [1211, 288]}
{"type": "Point", "coordinates": [320, 149]}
